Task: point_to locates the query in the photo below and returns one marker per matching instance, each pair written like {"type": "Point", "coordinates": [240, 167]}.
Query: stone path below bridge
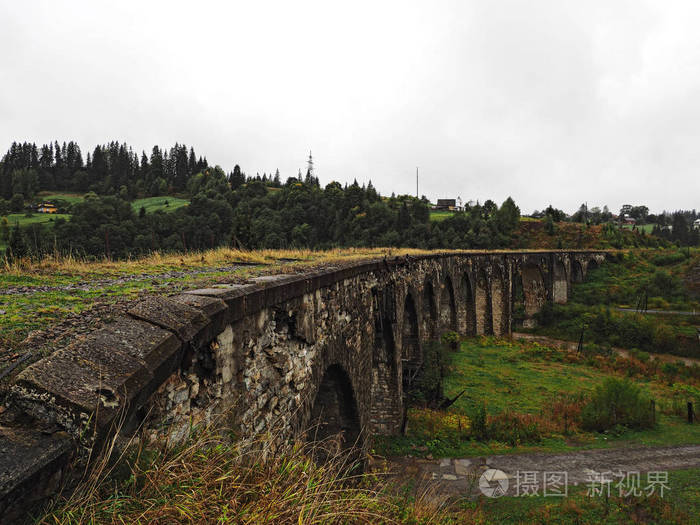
{"type": "Point", "coordinates": [464, 476]}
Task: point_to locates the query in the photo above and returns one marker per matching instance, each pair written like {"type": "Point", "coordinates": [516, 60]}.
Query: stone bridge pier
{"type": "Point", "coordinates": [326, 354]}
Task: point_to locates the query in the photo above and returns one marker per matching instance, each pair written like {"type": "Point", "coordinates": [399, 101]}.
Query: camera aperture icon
{"type": "Point", "coordinates": [493, 483]}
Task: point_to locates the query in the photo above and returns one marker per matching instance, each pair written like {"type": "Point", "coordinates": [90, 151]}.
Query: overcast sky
{"type": "Point", "coordinates": [547, 101]}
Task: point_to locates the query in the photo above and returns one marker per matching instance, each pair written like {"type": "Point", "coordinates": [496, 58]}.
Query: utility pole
{"type": "Point", "coordinates": [310, 166]}
{"type": "Point", "coordinates": [416, 182]}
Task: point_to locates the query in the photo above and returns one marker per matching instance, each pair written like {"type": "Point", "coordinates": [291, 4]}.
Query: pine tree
{"type": "Point", "coordinates": [17, 246]}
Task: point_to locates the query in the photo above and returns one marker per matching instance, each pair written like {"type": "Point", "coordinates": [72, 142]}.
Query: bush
{"type": "Point", "coordinates": [671, 369]}
{"type": "Point", "coordinates": [514, 429]}
{"type": "Point", "coordinates": [428, 385]}
{"type": "Point", "coordinates": [437, 424]}
{"type": "Point", "coordinates": [668, 259]}
{"type": "Point", "coordinates": [477, 418]}
{"type": "Point", "coordinates": [617, 402]}
{"type": "Point", "coordinates": [450, 339]}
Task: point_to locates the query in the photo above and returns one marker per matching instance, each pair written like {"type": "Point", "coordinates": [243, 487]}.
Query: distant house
{"type": "Point", "coordinates": [46, 207]}
{"type": "Point", "coordinates": [446, 204]}
{"type": "Point", "coordinates": [629, 220]}
{"type": "Point", "coordinates": [696, 224]}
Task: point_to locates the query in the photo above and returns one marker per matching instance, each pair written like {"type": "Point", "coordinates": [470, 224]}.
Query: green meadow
{"type": "Point", "coordinates": [524, 380]}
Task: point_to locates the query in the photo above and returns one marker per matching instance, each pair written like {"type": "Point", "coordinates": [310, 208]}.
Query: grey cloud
{"type": "Point", "coordinates": [549, 101]}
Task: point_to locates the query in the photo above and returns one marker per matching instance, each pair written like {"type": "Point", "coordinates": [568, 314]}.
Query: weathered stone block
{"type": "Point", "coordinates": [215, 309]}
{"type": "Point", "coordinates": [234, 295]}
{"type": "Point", "coordinates": [280, 288]}
{"type": "Point", "coordinates": [92, 379]}
{"type": "Point", "coordinates": [186, 322]}
{"type": "Point", "coordinates": [32, 465]}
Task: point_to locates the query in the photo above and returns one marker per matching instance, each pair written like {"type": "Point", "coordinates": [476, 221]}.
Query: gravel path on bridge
{"type": "Point", "coordinates": [463, 476]}
{"type": "Point", "coordinates": [44, 341]}
{"type": "Point", "coordinates": [102, 282]}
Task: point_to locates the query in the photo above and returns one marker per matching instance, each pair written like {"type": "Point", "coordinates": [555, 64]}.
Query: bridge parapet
{"type": "Point", "coordinates": [325, 351]}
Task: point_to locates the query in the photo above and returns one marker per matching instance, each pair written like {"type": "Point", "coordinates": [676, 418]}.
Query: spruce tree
{"type": "Point", "coordinates": [17, 246]}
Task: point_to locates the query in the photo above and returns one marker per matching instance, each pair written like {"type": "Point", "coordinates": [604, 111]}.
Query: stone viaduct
{"type": "Point", "coordinates": [332, 349]}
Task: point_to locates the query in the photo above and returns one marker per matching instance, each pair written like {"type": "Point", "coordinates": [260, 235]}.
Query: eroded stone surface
{"type": "Point", "coordinates": [33, 466]}
{"type": "Point", "coordinates": [184, 320]}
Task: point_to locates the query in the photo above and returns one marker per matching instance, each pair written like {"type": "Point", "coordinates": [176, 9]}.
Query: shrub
{"type": "Point", "coordinates": [617, 402]}
{"type": "Point", "coordinates": [671, 370]}
{"type": "Point", "coordinates": [428, 385]}
{"type": "Point", "coordinates": [450, 339]}
{"type": "Point", "coordinates": [436, 424]}
{"type": "Point", "coordinates": [668, 259]}
{"type": "Point", "coordinates": [514, 429]}
{"type": "Point", "coordinates": [640, 355]}
{"type": "Point", "coordinates": [477, 418]}
{"type": "Point", "coordinates": [565, 414]}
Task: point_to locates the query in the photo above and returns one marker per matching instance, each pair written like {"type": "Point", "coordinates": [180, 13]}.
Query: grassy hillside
{"type": "Point", "coordinates": [646, 228]}
{"type": "Point", "coordinates": [579, 236]}
{"type": "Point", "coordinates": [35, 218]}
{"type": "Point", "coordinates": [440, 215]}
{"type": "Point", "coordinates": [665, 279]}
{"type": "Point", "coordinates": [153, 204]}
{"type": "Point", "coordinates": [65, 200]}
{"type": "Point", "coordinates": [529, 390]}
{"type": "Point", "coordinates": [70, 198]}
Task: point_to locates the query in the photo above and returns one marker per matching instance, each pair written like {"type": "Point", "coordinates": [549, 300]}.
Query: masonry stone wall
{"type": "Point", "coordinates": [286, 354]}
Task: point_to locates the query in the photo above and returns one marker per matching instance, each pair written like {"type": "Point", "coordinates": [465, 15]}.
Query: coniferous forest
{"type": "Point", "coordinates": [225, 209]}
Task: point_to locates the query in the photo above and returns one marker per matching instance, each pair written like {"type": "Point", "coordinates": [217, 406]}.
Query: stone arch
{"type": "Point", "coordinates": [499, 302]}
{"type": "Point", "coordinates": [534, 291]}
{"type": "Point", "coordinates": [448, 312]}
{"type": "Point", "coordinates": [334, 415]}
{"type": "Point", "coordinates": [576, 271]}
{"type": "Point", "coordinates": [411, 355]}
{"type": "Point", "coordinates": [560, 283]}
{"type": "Point", "coordinates": [482, 305]}
{"type": "Point", "coordinates": [385, 389]}
{"type": "Point", "coordinates": [429, 313]}
{"type": "Point", "coordinates": [468, 298]}
{"type": "Point", "coordinates": [592, 265]}
{"type": "Point", "coordinates": [517, 300]}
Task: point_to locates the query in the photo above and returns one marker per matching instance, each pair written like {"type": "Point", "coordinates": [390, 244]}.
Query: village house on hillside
{"type": "Point", "coordinates": [46, 207]}
{"type": "Point", "coordinates": [449, 204]}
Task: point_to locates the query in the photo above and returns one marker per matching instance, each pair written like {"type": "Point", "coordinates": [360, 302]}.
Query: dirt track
{"type": "Point", "coordinates": [585, 467]}
{"type": "Point", "coordinates": [571, 345]}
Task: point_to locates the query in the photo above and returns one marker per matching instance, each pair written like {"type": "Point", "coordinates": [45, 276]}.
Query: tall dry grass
{"type": "Point", "coordinates": [75, 264]}
{"type": "Point", "coordinates": [214, 478]}
{"type": "Point", "coordinates": [72, 264]}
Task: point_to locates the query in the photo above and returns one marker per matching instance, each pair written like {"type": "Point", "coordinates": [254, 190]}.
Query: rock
{"type": "Point", "coordinates": [462, 466]}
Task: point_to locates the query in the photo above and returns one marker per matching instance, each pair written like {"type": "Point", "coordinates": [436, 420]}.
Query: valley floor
{"type": "Point", "coordinates": [460, 476]}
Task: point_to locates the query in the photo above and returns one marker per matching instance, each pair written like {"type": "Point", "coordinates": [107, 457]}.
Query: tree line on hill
{"type": "Point", "coordinates": [677, 227]}
{"type": "Point", "coordinates": [225, 209]}
{"type": "Point", "coordinates": [231, 209]}
{"type": "Point", "coordinates": [110, 169]}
